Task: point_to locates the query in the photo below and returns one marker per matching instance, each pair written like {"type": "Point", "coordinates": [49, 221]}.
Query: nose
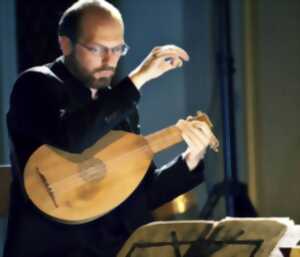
{"type": "Point", "coordinates": [109, 57]}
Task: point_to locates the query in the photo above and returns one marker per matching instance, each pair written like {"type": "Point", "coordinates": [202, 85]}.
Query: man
{"type": "Point", "coordinates": [70, 104]}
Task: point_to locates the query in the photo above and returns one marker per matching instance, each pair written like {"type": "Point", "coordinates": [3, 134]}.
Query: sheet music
{"type": "Point", "coordinates": [290, 239]}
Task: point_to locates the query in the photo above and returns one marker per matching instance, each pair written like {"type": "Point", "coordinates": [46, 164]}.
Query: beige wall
{"type": "Point", "coordinates": [273, 105]}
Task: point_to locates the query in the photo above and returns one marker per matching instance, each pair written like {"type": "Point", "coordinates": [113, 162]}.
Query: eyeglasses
{"type": "Point", "coordinates": [100, 50]}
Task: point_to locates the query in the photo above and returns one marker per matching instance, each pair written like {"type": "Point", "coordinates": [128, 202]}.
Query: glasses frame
{"type": "Point", "coordinates": [100, 50]}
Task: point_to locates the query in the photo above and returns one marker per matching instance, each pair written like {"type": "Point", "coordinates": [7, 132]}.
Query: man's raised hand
{"type": "Point", "coordinates": [159, 61]}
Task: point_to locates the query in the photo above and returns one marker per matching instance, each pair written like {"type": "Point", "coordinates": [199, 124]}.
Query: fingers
{"type": "Point", "coordinates": [214, 143]}
{"type": "Point", "coordinates": [197, 134]}
{"type": "Point", "coordinates": [170, 55]}
{"type": "Point", "coordinates": [169, 63]}
{"type": "Point", "coordinates": [195, 138]}
{"type": "Point", "coordinates": [170, 51]}
{"type": "Point", "coordinates": [175, 62]}
{"type": "Point", "coordinates": [196, 151]}
{"type": "Point", "coordinates": [200, 125]}
{"type": "Point", "coordinates": [159, 61]}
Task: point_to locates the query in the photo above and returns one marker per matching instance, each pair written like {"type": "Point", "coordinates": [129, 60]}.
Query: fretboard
{"type": "Point", "coordinates": [164, 139]}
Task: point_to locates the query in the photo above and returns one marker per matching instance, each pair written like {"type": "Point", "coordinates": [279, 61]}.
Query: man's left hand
{"type": "Point", "coordinates": [198, 137]}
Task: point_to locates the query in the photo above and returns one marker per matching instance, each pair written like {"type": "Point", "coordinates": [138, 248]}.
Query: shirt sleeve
{"type": "Point", "coordinates": [173, 179]}
{"type": "Point", "coordinates": [36, 112]}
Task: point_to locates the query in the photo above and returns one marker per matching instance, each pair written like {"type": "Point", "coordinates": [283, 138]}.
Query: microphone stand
{"type": "Point", "coordinates": [236, 200]}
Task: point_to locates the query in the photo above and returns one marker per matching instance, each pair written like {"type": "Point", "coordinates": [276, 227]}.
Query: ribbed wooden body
{"type": "Point", "coordinates": [77, 188]}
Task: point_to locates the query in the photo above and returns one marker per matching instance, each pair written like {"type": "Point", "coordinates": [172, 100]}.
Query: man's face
{"type": "Point", "coordinates": [93, 67]}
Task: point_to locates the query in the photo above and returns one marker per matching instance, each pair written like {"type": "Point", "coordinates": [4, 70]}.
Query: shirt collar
{"type": "Point", "coordinates": [60, 69]}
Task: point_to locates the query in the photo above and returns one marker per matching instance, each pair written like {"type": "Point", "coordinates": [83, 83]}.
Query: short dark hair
{"type": "Point", "coordinates": [69, 22]}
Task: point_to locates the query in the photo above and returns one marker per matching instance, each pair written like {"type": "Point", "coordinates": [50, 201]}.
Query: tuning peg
{"type": "Point", "coordinates": [203, 116]}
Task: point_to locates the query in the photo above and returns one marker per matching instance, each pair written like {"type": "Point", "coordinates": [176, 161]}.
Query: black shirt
{"type": "Point", "coordinates": [50, 106]}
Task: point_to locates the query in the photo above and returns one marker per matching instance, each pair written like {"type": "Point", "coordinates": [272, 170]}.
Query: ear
{"type": "Point", "coordinates": [65, 45]}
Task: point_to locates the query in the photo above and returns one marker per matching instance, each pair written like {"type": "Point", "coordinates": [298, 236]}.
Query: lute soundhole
{"type": "Point", "coordinates": [92, 170]}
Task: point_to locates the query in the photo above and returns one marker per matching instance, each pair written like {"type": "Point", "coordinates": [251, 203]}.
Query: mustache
{"type": "Point", "coordinates": [105, 68]}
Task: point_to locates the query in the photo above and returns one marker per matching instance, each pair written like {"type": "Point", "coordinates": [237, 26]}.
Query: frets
{"type": "Point", "coordinates": [164, 139]}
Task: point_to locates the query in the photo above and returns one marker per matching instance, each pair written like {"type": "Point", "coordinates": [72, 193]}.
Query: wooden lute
{"type": "Point", "coordinates": [77, 188]}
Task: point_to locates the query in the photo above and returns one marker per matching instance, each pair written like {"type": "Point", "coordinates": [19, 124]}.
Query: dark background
{"type": "Point", "coordinates": [266, 49]}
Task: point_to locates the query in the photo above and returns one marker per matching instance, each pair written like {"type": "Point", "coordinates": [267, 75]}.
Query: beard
{"type": "Point", "coordinates": [100, 82]}
{"type": "Point", "coordinates": [89, 78]}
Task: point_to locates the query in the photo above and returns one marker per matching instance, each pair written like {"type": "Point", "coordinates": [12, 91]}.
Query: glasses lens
{"type": "Point", "coordinates": [125, 49]}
